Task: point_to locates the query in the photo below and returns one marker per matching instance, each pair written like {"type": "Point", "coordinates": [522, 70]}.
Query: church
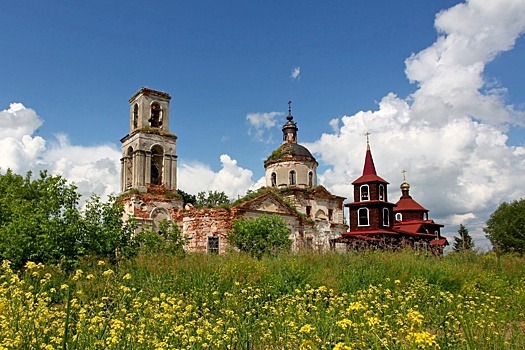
{"type": "Point", "coordinates": [314, 216]}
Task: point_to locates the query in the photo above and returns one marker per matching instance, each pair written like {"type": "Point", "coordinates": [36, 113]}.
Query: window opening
{"type": "Point", "coordinates": [364, 193]}
{"type": "Point", "coordinates": [381, 192]}
{"type": "Point", "coordinates": [362, 214]}
{"type": "Point", "coordinates": [386, 217]}
{"type": "Point", "coordinates": [292, 179]}
{"type": "Point", "coordinates": [274, 179]}
{"type": "Point", "coordinates": [155, 120]}
{"type": "Point", "coordinates": [213, 245]}
{"type": "Point", "coordinates": [310, 179]}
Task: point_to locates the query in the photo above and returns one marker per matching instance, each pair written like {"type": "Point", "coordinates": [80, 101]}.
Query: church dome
{"type": "Point", "coordinates": [289, 151]}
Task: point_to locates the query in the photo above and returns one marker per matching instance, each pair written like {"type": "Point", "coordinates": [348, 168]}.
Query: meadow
{"type": "Point", "coordinates": [372, 300]}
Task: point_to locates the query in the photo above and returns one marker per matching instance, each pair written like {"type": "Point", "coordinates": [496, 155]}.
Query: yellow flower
{"type": "Point", "coordinates": [306, 329]}
{"type": "Point", "coordinates": [127, 276]}
{"type": "Point", "coordinates": [31, 265]}
{"type": "Point", "coordinates": [341, 346]}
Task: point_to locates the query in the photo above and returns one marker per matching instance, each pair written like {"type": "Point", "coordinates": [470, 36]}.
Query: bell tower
{"type": "Point", "coordinates": [148, 151]}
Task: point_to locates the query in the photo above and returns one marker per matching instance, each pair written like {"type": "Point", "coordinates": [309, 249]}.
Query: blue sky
{"type": "Point", "coordinates": [73, 67]}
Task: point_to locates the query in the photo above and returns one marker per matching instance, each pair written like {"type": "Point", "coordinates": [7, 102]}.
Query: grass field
{"type": "Point", "coordinates": [371, 300]}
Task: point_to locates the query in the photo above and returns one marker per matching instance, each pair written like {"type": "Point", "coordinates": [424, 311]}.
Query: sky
{"type": "Point", "coordinates": [438, 84]}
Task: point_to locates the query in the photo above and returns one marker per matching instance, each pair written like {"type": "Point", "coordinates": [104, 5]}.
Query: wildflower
{"type": "Point", "coordinates": [306, 329]}
{"type": "Point", "coordinates": [341, 346]}
{"type": "Point", "coordinates": [31, 265]}
{"type": "Point", "coordinates": [101, 263]}
{"type": "Point", "coordinates": [127, 276]}
{"type": "Point", "coordinates": [108, 272]}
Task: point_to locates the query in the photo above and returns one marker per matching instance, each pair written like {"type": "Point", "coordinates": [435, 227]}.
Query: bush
{"type": "Point", "coordinates": [267, 234]}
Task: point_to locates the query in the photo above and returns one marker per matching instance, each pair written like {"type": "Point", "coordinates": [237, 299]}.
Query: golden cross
{"type": "Point", "coordinates": [404, 175]}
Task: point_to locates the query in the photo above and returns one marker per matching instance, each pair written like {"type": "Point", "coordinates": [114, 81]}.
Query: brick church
{"type": "Point", "coordinates": [314, 216]}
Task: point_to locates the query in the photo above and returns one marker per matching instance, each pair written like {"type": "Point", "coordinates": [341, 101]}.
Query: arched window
{"type": "Point", "coordinates": [157, 161]}
{"type": "Point", "coordinates": [155, 120]}
{"type": "Point", "coordinates": [274, 179]}
{"type": "Point", "coordinates": [381, 192]}
{"type": "Point", "coordinates": [310, 179]}
{"type": "Point", "coordinates": [128, 168]}
{"type": "Point", "coordinates": [399, 217]}
{"type": "Point", "coordinates": [386, 217]}
{"type": "Point", "coordinates": [292, 177]}
{"type": "Point", "coordinates": [135, 116]}
{"type": "Point", "coordinates": [365, 196]}
{"type": "Point", "coordinates": [362, 217]}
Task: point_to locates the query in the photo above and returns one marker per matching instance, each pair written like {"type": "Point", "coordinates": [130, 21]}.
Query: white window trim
{"type": "Point", "coordinates": [367, 217]}
{"type": "Point", "coordinates": [399, 217]}
{"type": "Point", "coordinates": [381, 192]}
{"type": "Point", "coordinates": [387, 217]}
{"type": "Point", "coordinates": [361, 193]}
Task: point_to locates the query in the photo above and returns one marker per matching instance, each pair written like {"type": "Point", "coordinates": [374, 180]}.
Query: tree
{"type": "Point", "coordinates": [39, 219]}
{"type": "Point", "coordinates": [464, 241]}
{"type": "Point", "coordinates": [104, 232]}
{"type": "Point", "coordinates": [506, 227]}
{"type": "Point", "coordinates": [267, 234]}
{"type": "Point", "coordinates": [187, 197]}
{"type": "Point", "coordinates": [167, 239]}
{"type": "Point", "coordinates": [211, 199]}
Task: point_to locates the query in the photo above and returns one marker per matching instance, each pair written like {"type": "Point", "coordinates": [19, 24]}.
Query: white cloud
{"type": "Point", "coordinates": [234, 180]}
{"type": "Point", "coordinates": [93, 169]}
{"type": "Point", "coordinates": [259, 123]}
{"type": "Point", "coordinates": [450, 133]}
{"type": "Point", "coordinates": [295, 73]}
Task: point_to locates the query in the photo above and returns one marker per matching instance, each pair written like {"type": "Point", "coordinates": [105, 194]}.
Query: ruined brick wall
{"type": "Point", "coordinates": [200, 224]}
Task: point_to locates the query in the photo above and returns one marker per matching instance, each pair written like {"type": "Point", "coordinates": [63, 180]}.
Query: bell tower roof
{"type": "Point", "coordinates": [369, 169]}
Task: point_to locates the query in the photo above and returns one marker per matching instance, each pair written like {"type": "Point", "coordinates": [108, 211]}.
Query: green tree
{"type": "Point", "coordinates": [464, 241]}
{"type": "Point", "coordinates": [167, 239]}
{"type": "Point", "coordinates": [211, 199]}
{"type": "Point", "coordinates": [39, 219]}
{"type": "Point", "coordinates": [267, 234]}
{"type": "Point", "coordinates": [506, 227]}
{"type": "Point", "coordinates": [187, 197]}
{"type": "Point", "coordinates": [105, 233]}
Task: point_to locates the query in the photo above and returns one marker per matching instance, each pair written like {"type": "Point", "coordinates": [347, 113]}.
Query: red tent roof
{"type": "Point", "coordinates": [408, 204]}
{"type": "Point", "coordinates": [369, 170]}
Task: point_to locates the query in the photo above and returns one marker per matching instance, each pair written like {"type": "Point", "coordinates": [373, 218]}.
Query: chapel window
{"type": "Point", "coordinates": [399, 217]}
{"type": "Point", "coordinates": [330, 214]}
{"type": "Point", "coordinates": [362, 215]}
{"type": "Point", "coordinates": [292, 177]}
{"type": "Point", "coordinates": [365, 196]}
{"type": "Point", "coordinates": [381, 192]}
{"type": "Point", "coordinates": [386, 217]}
{"type": "Point", "coordinates": [310, 179]}
{"type": "Point", "coordinates": [274, 179]}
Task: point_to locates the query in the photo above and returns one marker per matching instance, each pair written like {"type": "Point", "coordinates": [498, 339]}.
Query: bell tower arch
{"type": "Point", "coordinates": [149, 149]}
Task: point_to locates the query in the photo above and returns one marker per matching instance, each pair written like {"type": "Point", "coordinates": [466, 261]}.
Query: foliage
{"type": "Point", "coordinates": [267, 234]}
{"type": "Point", "coordinates": [167, 239]}
{"type": "Point", "coordinates": [211, 199]}
{"type": "Point", "coordinates": [104, 232]}
{"type": "Point", "coordinates": [506, 227]}
{"type": "Point", "coordinates": [187, 197]}
{"type": "Point", "coordinates": [40, 221]}
{"type": "Point", "coordinates": [305, 301]}
{"type": "Point", "coordinates": [464, 241]}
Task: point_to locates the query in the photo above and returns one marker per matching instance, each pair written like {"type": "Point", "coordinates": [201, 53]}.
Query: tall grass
{"type": "Point", "coordinates": [379, 300]}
